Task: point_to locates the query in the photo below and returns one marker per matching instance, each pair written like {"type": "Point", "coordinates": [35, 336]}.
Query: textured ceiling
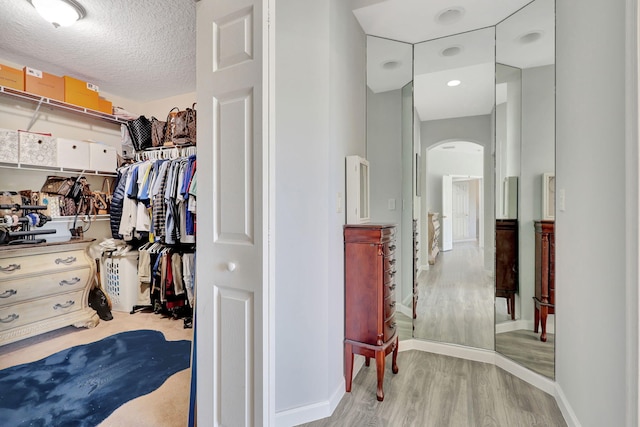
{"type": "Point", "coordinates": [141, 50]}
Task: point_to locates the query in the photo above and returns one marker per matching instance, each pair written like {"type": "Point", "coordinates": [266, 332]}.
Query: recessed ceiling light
{"type": "Point", "coordinates": [453, 83]}
{"type": "Point", "coordinates": [450, 15]}
{"type": "Point", "coordinates": [530, 37]}
{"type": "Point", "coordinates": [451, 51]}
{"type": "Point", "coordinates": [390, 65]}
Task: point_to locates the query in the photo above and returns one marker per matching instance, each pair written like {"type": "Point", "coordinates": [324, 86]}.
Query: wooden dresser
{"type": "Point", "coordinates": [507, 262]}
{"type": "Point", "coordinates": [545, 282]}
{"type": "Point", "coordinates": [370, 298]}
{"type": "Point", "coordinates": [434, 236]}
{"type": "Point", "coordinates": [44, 287]}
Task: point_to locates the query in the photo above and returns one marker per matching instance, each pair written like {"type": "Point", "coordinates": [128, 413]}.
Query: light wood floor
{"type": "Point", "coordinates": [456, 299]}
{"type": "Point", "coordinates": [440, 391]}
{"type": "Point", "coordinates": [525, 348]}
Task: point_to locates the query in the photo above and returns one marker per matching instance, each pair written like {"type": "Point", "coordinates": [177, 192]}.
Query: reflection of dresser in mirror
{"type": "Point", "coordinates": [544, 299]}
{"type": "Point", "coordinates": [507, 262]}
{"type": "Point", "coordinates": [434, 236]}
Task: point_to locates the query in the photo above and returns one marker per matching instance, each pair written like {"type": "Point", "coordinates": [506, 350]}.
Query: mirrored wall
{"type": "Point", "coordinates": [460, 137]}
{"type": "Point", "coordinates": [525, 156]}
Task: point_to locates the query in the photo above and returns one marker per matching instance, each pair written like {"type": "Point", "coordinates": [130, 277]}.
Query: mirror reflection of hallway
{"type": "Point", "coordinates": [455, 293]}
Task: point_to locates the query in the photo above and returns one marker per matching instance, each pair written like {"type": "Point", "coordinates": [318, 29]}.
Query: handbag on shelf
{"type": "Point", "coordinates": [102, 198]}
{"type": "Point", "coordinates": [60, 185]}
{"type": "Point", "coordinates": [158, 132]}
{"type": "Point", "coordinates": [68, 207]}
{"type": "Point", "coordinates": [140, 130]}
{"type": "Point", "coordinates": [181, 126]}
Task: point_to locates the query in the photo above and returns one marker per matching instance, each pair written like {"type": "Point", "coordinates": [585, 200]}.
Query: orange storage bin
{"type": "Point", "coordinates": [43, 84]}
{"type": "Point", "coordinates": [11, 77]}
{"type": "Point", "coordinates": [81, 93]}
{"type": "Point", "coordinates": [105, 106]}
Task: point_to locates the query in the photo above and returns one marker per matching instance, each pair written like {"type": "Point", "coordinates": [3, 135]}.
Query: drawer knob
{"type": "Point", "coordinates": [392, 262]}
{"type": "Point", "coordinates": [231, 266]}
{"type": "Point", "coordinates": [393, 304]}
{"type": "Point", "coordinates": [392, 287]}
{"type": "Point", "coordinates": [10, 318]}
{"type": "Point", "coordinates": [69, 282]}
{"type": "Point", "coordinates": [65, 305]}
{"type": "Point", "coordinates": [68, 260]}
{"type": "Point", "coordinates": [10, 268]}
{"type": "Point", "coordinates": [392, 248]}
{"type": "Point", "coordinates": [8, 293]}
{"type": "Point", "coordinates": [393, 273]}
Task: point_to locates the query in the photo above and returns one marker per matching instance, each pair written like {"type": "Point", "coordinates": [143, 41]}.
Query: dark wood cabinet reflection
{"type": "Point", "coordinates": [545, 283]}
{"type": "Point", "coordinates": [507, 262]}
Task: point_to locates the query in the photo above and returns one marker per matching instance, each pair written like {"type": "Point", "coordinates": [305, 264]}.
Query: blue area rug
{"type": "Point", "coordinates": [83, 385]}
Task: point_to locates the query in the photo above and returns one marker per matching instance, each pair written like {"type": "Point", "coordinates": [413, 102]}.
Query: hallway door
{"type": "Point", "coordinates": [460, 210]}
{"type": "Point", "coordinates": [447, 213]}
{"type": "Point", "coordinates": [233, 355]}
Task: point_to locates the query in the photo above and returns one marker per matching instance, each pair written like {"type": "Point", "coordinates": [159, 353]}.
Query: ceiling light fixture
{"type": "Point", "coordinates": [61, 13]}
{"type": "Point", "coordinates": [453, 83]}
{"type": "Point", "coordinates": [530, 37]}
{"type": "Point", "coordinates": [450, 15]}
{"type": "Point", "coordinates": [391, 65]}
{"type": "Point", "coordinates": [451, 51]}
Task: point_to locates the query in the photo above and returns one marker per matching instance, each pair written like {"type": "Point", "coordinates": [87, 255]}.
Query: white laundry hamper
{"type": "Point", "coordinates": [119, 277]}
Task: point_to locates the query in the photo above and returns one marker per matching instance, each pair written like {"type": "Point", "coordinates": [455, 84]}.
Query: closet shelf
{"type": "Point", "coordinates": [81, 218]}
{"type": "Point", "coordinates": [59, 105]}
{"type": "Point", "coordinates": [55, 169]}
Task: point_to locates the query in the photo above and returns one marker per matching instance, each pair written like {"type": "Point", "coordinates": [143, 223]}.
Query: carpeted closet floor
{"type": "Point", "coordinates": [167, 406]}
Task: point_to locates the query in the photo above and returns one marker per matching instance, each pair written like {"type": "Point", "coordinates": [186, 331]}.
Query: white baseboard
{"type": "Point", "coordinates": [565, 408]}
{"type": "Point", "coordinates": [318, 410]}
{"type": "Point", "coordinates": [406, 309]}
{"type": "Point", "coordinates": [514, 325]}
{"type": "Point", "coordinates": [536, 380]}
{"type": "Point", "coordinates": [462, 352]}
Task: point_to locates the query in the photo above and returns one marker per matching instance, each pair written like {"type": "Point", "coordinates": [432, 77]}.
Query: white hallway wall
{"type": "Point", "coordinates": [320, 118]}
{"type": "Point", "coordinates": [597, 320]}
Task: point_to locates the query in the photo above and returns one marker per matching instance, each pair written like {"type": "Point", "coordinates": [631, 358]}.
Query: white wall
{"type": "Point", "coordinates": [596, 324]}
{"type": "Point", "coordinates": [320, 103]}
{"type": "Point", "coordinates": [538, 157]}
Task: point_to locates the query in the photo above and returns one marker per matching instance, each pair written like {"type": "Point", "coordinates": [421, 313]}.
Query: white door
{"type": "Point", "coordinates": [232, 275]}
{"type": "Point", "coordinates": [447, 213]}
{"type": "Point", "coordinates": [460, 210]}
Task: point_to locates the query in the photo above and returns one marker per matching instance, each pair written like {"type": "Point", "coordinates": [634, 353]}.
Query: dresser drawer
{"type": "Point", "coordinates": [27, 265]}
{"type": "Point", "coordinates": [388, 289]}
{"type": "Point", "coordinates": [389, 328]}
{"type": "Point", "coordinates": [389, 263]}
{"type": "Point", "coordinates": [21, 314]}
{"type": "Point", "coordinates": [389, 249]}
{"type": "Point", "coordinates": [14, 291]}
{"type": "Point", "coordinates": [389, 275]}
{"type": "Point", "coordinates": [389, 306]}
